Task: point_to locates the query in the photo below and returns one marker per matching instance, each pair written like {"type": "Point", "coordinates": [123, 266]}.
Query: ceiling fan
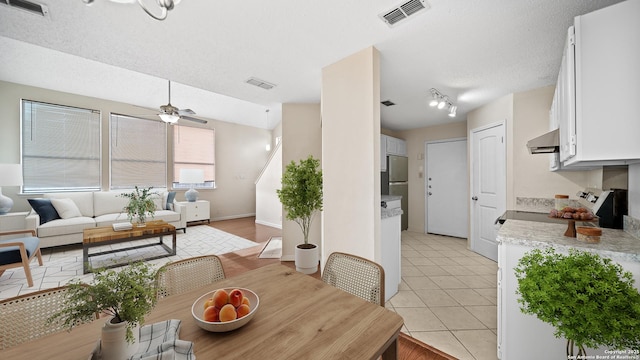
{"type": "Point", "coordinates": [171, 114]}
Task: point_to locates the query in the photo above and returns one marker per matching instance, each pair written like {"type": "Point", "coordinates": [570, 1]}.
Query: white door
{"type": "Point", "coordinates": [488, 187]}
{"type": "Point", "coordinates": [447, 188]}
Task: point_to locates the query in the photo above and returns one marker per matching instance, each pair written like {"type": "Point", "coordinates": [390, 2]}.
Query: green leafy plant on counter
{"type": "Point", "coordinates": [127, 295]}
{"type": "Point", "coordinates": [590, 300]}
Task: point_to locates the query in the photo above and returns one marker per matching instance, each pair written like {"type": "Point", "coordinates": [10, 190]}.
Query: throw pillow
{"type": "Point", "coordinates": [44, 208]}
{"type": "Point", "coordinates": [66, 208]}
{"type": "Point", "coordinates": [170, 197]}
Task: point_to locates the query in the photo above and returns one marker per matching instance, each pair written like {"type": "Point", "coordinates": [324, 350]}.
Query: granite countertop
{"type": "Point", "coordinates": [614, 244]}
{"type": "Point", "coordinates": [386, 212]}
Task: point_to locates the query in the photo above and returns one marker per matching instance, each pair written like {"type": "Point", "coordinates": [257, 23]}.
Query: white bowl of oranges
{"type": "Point", "coordinates": [225, 309]}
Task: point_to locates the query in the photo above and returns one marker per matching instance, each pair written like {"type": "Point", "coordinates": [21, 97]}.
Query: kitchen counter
{"type": "Point", "coordinates": [390, 211]}
{"type": "Point", "coordinates": [614, 244]}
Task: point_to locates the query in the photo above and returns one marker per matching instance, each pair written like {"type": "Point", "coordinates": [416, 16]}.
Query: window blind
{"type": "Point", "coordinates": [138, 152]}
{"type": "Point", "coordinates": [194, 148]}
{"type": "Point", "coordinates": [60, 148]}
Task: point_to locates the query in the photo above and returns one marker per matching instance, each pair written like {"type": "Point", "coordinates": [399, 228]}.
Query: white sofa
{"type": "Point", "coordinates": [101, 208]}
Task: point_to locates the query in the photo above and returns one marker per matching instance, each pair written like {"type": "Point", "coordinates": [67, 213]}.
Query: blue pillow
{"type": "Point", "coordinates": [45, 209]}
{"type": "Point", "coordinates": [170, 197]}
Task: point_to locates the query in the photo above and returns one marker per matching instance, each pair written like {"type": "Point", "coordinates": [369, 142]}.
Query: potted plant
{"type": "Point", "coordinates": [140, 205]}
{"type": "Point", "coordinates": [590, 300]}
{"type": "Point", "coordinates": [301, 197]}
{"type": "Point", "coordinates": [126, 296]}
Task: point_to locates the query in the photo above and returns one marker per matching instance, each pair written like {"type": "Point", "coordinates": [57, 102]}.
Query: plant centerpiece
{"type": "Point", "coordinates": [126, 296]}
{"type": "Point", "coordinates": [301, 197]}
{"type": "Point", "coordinates": [140, 205]}
{"type": "Point", "coordinates": [590, 300]}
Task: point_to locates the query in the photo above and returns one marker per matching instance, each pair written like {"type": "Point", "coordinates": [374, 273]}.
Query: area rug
{"type": "Point", "coordinates": [64, 263]}
{"type": "Point", "coordinates": [273, 249]}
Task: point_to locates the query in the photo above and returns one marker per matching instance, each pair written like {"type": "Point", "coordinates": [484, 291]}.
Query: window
{"type": "Point", "coordinates": [60, 148]}
{"type": "Point", "coordinates": [138, 152]}
{"type": "Point", "coordinates": [194, 148]}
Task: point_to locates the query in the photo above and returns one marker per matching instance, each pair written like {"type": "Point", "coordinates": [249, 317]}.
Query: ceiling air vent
{"type": "Point", "coordinates": [29, 6]}
{"type": "Point", "coordinates": [409, 8]}
{"type": "Point", "coordinates": [387, 103]}
{"type": "Point", "coordinates": [260, 83]}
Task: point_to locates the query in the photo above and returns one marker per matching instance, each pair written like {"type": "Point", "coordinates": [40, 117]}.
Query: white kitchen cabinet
{"type": "Point", "coordinates": [598, 108]}
{"type": "Point", "coordinates": [396, 146]}
{"type": "Point", "coordinates": [197, 210]}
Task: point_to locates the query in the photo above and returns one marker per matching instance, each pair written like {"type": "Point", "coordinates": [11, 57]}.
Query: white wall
{"type": "Point", "coordinates": [351, 155]}
{"type": "Point", "coordinates": [301, 137]}
{"type": "Point", "coordinates": [268, 206]}
{"type": "Point", "coordinates": [240, 149]}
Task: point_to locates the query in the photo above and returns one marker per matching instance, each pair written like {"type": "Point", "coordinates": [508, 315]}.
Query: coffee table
{"type": "Point", "coordinates": [105, 235]}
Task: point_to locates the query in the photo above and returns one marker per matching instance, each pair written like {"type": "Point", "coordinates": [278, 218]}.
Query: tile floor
{"type": "Point", "coordinates": [448, 296]}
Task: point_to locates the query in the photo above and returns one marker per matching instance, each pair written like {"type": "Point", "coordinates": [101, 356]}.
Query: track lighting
{"type": "Point", "coordinates": [442, 101]}
{"type": "Point", "coordinates": [158, 10]}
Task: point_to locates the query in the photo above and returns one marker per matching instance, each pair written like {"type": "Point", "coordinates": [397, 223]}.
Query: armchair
{"type": "Point", "coordinates": [19, 251]}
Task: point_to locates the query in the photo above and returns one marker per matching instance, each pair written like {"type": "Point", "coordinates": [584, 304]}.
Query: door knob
{"type": "Point", "coordinates": [475, 198]}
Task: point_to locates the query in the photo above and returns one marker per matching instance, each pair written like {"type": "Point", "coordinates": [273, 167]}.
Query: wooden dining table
{"type": "Point", "coordinates": [299, 317]}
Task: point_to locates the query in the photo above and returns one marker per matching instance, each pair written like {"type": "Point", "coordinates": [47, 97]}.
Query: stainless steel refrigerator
{"type": "Point", "coordinates": [395, 182]}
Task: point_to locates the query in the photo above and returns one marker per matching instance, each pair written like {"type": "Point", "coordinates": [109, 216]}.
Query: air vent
{"type": "Point", "coordinates": [29, 6]}
{"type": "Point", "coordinates": [387, 103]}
{"type": "Point", "coordinates": [260, 83]}
{"type": "Point", "coordinates": [402, 12]}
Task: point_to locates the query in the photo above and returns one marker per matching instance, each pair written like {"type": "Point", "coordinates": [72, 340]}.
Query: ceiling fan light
{"type": "Point", "coordinates": [169, 118]}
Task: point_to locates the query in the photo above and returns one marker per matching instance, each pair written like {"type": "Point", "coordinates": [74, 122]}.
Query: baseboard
{"type": "Point", "coordinates": [231, 217]}
{"type": "Point", "coordinates": [266, 223]}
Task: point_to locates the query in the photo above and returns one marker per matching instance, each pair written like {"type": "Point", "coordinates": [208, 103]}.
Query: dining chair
{"type": "Point", "coordinates": [19, 251]}
{"type": "Point", "coordinates": [184, 275]}
{"type": "Point", "coordinates": [356, 275]}
{"type": "Point", "coordinates": [24, 317]}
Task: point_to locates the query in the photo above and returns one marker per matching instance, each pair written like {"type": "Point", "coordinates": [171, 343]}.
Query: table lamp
{"type": "Point", "coordinates": [192, 177]}
{"type": "Point", "coordinates": [10, 175]}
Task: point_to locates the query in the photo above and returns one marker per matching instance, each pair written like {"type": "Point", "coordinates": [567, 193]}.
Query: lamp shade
{"type": "Point", "coordinates": [10, 175]}
{"type": "Point", "coordinates": [191, 176]}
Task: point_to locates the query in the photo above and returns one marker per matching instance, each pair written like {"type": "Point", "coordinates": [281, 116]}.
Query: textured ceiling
{"type": "Point", "coordinates": [473, 51]}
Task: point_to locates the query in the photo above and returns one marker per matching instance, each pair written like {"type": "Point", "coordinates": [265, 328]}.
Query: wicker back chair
{"type": "Point", "coordinates": [24, 317]}
{"type": "Point", "coordinates": [184, 275]}
{"type": "Point", "coordinates": [355, 275]}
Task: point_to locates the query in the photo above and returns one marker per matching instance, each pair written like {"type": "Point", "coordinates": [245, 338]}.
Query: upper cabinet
{"type": "Point", "coordinates": [391, 146]}
{"type": "Point", "coordinates": [396, 146]}
{"type": "Point", "coordinates": [596, 103]}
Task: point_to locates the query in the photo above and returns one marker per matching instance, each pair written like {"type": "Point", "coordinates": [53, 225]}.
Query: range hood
{"type": "Point", "coordinates": [545, 144]}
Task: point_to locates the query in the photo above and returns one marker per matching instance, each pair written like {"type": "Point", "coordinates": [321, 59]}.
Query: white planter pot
{"type": "Point", "coordinates": [306, 260]}
{"type": "Point", "coordinates": [113, 343]}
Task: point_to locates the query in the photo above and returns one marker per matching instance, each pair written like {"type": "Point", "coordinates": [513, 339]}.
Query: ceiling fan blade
{"type": "Point", "coordinates": [186, 112]}
{"type": "Point", "coordinates": [190, 118]}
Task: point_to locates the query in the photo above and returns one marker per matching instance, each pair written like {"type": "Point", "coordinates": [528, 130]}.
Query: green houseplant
{"type": "Point", "coordinates": [590, 300]}
{"type": "Point", "coordinates": [140, 205]}
{"type": "Point", "coordinates": [126, 296]}
{"type": "Point", "coordinates": [301, 197]}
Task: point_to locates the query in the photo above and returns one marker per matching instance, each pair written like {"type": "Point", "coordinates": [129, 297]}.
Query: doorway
{"type": "Point", "coordinates": [488, 187]}
{"type": "Point", "coordinates": [446, 192]}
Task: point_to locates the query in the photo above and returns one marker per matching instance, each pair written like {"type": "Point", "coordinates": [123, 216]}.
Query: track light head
{"type": "Point", "coordinates": [452, 110]}
{"type": "Point", "coordinates": [442, 103]}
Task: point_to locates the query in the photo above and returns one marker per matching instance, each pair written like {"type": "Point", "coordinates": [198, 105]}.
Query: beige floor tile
{"type": "Point", "coordinates": [448, 282]}
{"type": "Point", "coordinates": [480, 343]}
{"type": "Point", "coordinates": [444, 341]}
{"type": "Point", "coordinates": [482, 269]}
{"type": "Point", "coordinates": [406, 299]}
{"type": "Point", "coordinates": [420, 319]}
{"type": "Point", "coordinates": [476, 282]}
{"type": "Point", "coordinates": [457, 318]}
{"type": "Point", "coordinates": [455, 269]}
{"type": "Point", "coordinates": [420, 282]}
{"type": "Point", "coordinates": [489, 294]}
{"type": "Point", "coordinates": [420, 261]}
{"type": "Point", "coordinates": [430, 253]}
{"type": "Point", "coordinates": [488, 315]}
{"type": "Point", "coordinates": [410, 270]}
{"type": "Point", "coordinates": [403, 286]}
{"type": "Point", "coordinates": [442, 261]}
{"type": "Point", "coordinates": [411, 254]}
{"type": "Point", "coordinates": [467, 297]}
{"type": "Point", "coordinates": [435, 297]}
{"type": "Point", "coordinates": [432, 270]}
